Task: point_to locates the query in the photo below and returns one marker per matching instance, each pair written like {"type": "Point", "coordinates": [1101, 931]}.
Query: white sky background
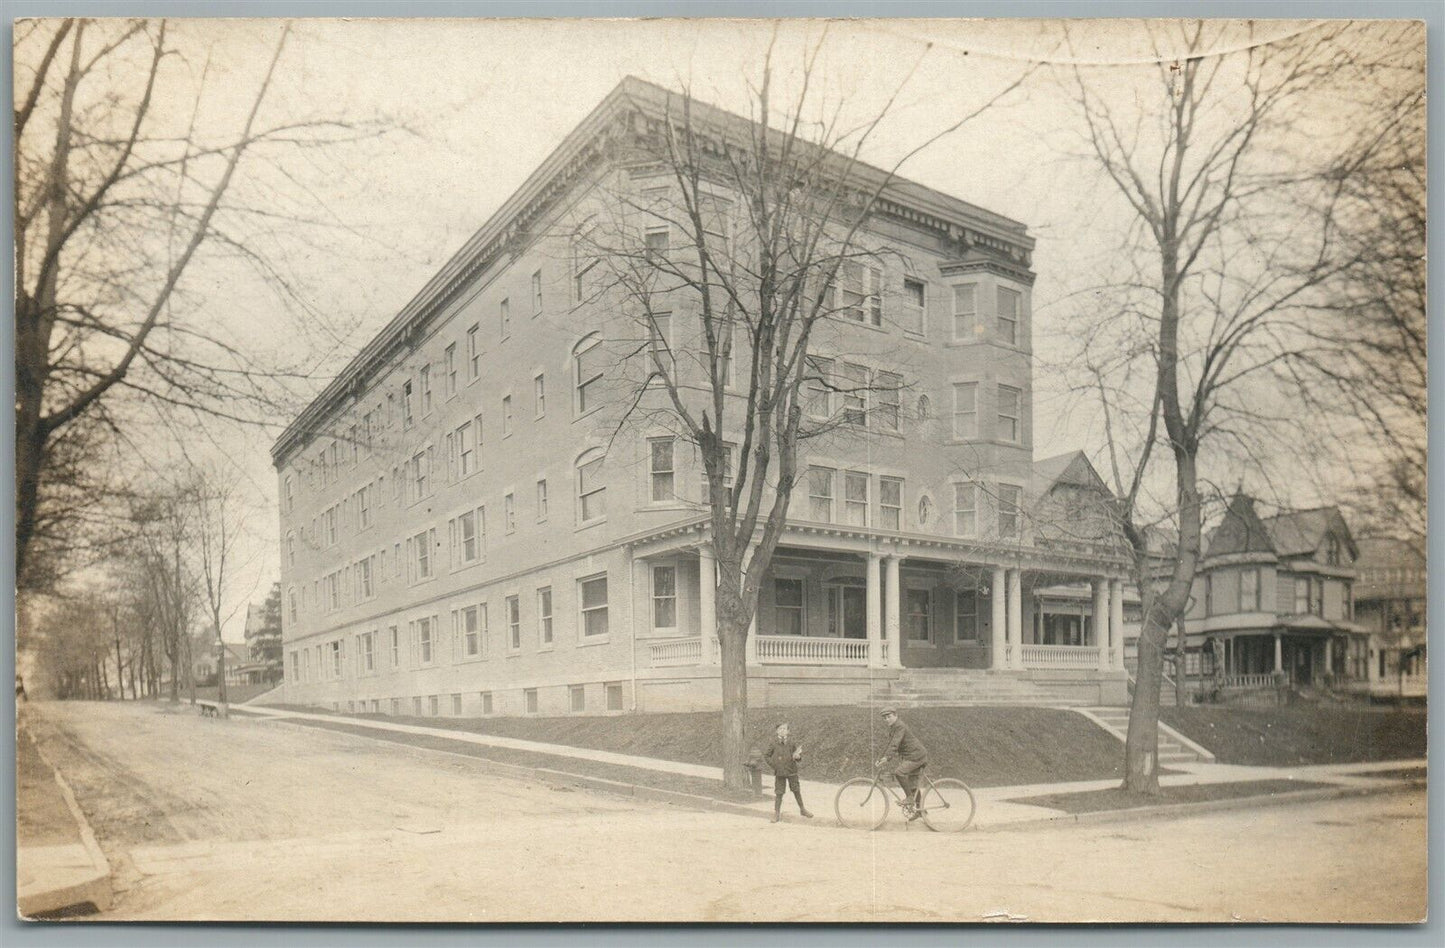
{"type": "Point", "coordinates": [485, 102]}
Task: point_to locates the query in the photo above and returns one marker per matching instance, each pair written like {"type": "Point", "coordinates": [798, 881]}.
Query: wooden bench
{"type": "Point", "coordinates": [209, 709]}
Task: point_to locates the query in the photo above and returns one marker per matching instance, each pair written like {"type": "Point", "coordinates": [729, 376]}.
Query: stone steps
{"type": "Point", "coordinates": [951, 686]}
{"type": "Point", "coordinates": [1171, 751]}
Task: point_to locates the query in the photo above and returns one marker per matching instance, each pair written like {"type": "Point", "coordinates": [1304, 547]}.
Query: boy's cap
{"type": "Point", "coordinates": [887, 711]}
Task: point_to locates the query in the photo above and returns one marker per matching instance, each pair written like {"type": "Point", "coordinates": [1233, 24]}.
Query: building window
{"type": "Point", "coordinates": [537, 293]}
{"type": "Point", "coordinates": [514, 622]}
{"type": "Point", "coordinates": [542, 500]}
{"type": "Point", "coordinates": [659, 334]}
{"type": "Point", "coordinates": [888, 392]}
{"type": "Point", "coordinates": [855, 498]}
{"type": "Point", "coordinates": [291, 602]}
{"type": "Point", "coordinates": [504, 313]}
{"type": "Point", "coordinates": [456, 705]}
{"type": "Point", "coordinates": [965, 509]}
{"type": "Point", "coordinates": [289, 495]}
{"type": "Point", "coordinates": [425, 390]}
{"type": "Point", "coordinates": [1009, 515]}
{"type": "Point", "coordinates": [506, 416]}
{"type": "Point", "coordinates": [509, 512]}
{"type": "Point", "coordinates": [408, 405]}
{"type": "Point", "coordinates": [433, 705]}
{"type": "Point", "coordinates": [364, 577]}
{"type": "Point", "coordinates": [368, 652]}
{"type": "Point", "coordinates": [914, 296]}
{"type": "Point", "coordinates": [965, 312]}
{"type": "Point", "coordinates": [423, 633]}
{"type": "Point", "coordinates": [890, 503]}
{"type": "Point", "coordinates": [855, 394]}
{"type": "Point", "coordinates": [421, 474]}
{"type": "Point", "coordinates": [465, 439]}
{"type": "Point", "coordinates": [474, 352]}
{"type": "Point", "coordinates": [664, 597]}
{"type": "Point", "coordinates": [291, 550]}
{"type": "Point", "coordinates": [1249, 590]}
{"type": "Point", "coordinates": [421, 559]}
{"type": "Point", "coordinates": [544, 616]}
{"type": "Point", "coordinates": [965, 617]}
{"type": "Point", "coordinates": [917, 605]}
{"type": "Point", "coordinates": [861, 297]}
{"type": "Point", "coordinates": [820, 494]}
{"type": "Point", "coordinates": [588, 356]}
{"type": "Point", "coordinates": [486, 702]}
{"type": "Point", "coordinates": [1301, 595]}
{"type": "Point", "coordinates": [663, 485]}
{"type": "Point", "coordinates": [539, 396]}
{"type": "Point", "coordinates": [788, 606]}
{"type": "Point", "coordinates": [1008, 316]}
{"type": "Point", "coordinates": [529, 700]}
{"type": "Point", "coordinates": [593, 596]}
{"type": "Point", "coordinates": [416, 706]}
{"type": "Point", "coordinates": [657, 242]}
{"type": "Point", "coordinates": [614, 696]}
{"type": "Point", "coordinates": [1317, 597]}
{"type": "Point", "coordinates": [965, 410]}
{"type": "Point", "coordinates": [819, 383]}
{"type": "Point", "coordinates": [451, 369]}
{"type": "Point", "coordinates": [577, 696]}
{"type": "Point", "coordinates": [1008, 413]}
{"type": "Point", "coordinates": [470, 630]}
{"type": "Point", "coordinates": [591, 489]}
{"type": "Point", "coordinates": [363, 507]}
{"type": "Point", "coordinates": [395, 648]}
{"type": "Point", "coordinates": [466, 536]}
{"type": "Point", "coordinates": [1332, 551]}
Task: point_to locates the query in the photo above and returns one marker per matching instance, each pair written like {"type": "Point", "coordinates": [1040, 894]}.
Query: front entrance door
{"type": "Point", "coordinates": [848, 611]}
{"type": "Point", "coordinates": [1303, 664]}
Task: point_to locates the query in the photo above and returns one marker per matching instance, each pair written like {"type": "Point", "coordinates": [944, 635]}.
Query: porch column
{"type": "Point", "coordinates": [750, 650]}
{"type": "Point", "coordinates": [1016, 617]}
{"type": "Point", "coordinates": [1278, 654]}
{"type": "Point", "coordinates": [891, 609]}
{"type": "Point", "coordinates": [1116, 621]}
{"type": "Point", "coordinates": [875, 612]}
{"type": "Point", "coordinates": [707, 603]}
{"type": "Point", "coordinates": [1101, 621]}
{"type": "Point", "coordinates": [997, 626]}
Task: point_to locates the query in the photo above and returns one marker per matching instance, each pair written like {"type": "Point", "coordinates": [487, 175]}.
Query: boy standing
{"type": "Point", "coordinates": [783, 755]}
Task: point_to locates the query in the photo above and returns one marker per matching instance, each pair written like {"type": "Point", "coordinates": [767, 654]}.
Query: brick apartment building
{"type": "Point", "coordinates": [474, 519]}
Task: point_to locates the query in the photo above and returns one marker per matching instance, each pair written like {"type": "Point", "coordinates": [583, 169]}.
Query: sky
{"type": "Point", "coordinates": [475, 105]}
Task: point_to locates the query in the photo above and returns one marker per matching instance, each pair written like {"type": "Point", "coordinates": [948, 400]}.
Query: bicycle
{"type": "Point", "coordinates": [863, 802]}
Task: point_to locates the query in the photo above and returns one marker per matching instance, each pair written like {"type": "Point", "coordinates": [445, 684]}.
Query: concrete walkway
{"type": "Point", "coordinates": [997, 806]}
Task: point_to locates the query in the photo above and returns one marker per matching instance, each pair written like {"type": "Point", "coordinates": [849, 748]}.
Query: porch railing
{"type": "Point", "coordinates": [1249, 682]}
{"type": "Point", "coordinates": [805, 650]}
{"type": "Point", "coordinates": [1061, 656]}
{"type": "Point", "coordinates": [675, 652]}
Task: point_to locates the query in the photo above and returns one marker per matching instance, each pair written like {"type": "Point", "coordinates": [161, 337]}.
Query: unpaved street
{"type": "Point", "coordinates": [248, 819]}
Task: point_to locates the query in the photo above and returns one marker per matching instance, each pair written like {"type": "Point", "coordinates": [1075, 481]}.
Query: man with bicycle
{"type": "Point", "coordinates": [912, 758]}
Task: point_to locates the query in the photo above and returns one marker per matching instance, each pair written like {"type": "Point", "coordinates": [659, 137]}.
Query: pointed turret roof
{"type": "Point", "coordinates": [1241, 531]}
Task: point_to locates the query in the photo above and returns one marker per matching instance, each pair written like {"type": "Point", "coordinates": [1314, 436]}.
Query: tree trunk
{"type": "Point", "coordinates": [732, 637]}
{"type": "Point", "coordinates": [1181, 665]}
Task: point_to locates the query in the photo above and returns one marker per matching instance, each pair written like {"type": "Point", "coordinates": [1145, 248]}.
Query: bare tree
{"type": "Point", "coordinates": [772, 215]}
{"type": "Point", "coordinates": [1226, 251]}
{"type": "Point", "coordinates": [217, 532]}
{"type": "Point", "coordinates": [121, 179]}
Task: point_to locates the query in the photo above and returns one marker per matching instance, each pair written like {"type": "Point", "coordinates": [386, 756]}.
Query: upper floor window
{"type": "Point", "coordinates": [421, 554]}
{"type": "Point", "coordinates": [819, 381]}
{"type": "Point", "coordinates": [506, 416]}
{"type": "Point", "coordinates": [914, 294]}
{"type": "Point", "coordinates": [820, 494]}
{"type": "Point", "coordinates": [855, 394]}
{"type": "Point", "coordinates": [474, 351]}
{"type": "Point", "coordinates": [467, 534]}
{"type": "Point", "coordinates": [855, 498]}
{"type": "Point", "coordinates": [593, 597]}
{"type": "Point", "coordinates": [591, 488]}
{"type": "Point", "coordinates": [514, 622]}
{"type": "Point", "coordinates": [288, 494]}
{"type": "Point", "coordinates": [890, 503]}
{"type": "Point", "coordinates": [420, 474]}
{"type": "Point", "coordinates": [537, 293]}
{"type": "Point", "coordinates": [662, 475]}
{"type": "Point", "coordinates": [659, 334]}
{"type": "Point", "coordinates": [965, 311]}
{"type": "Point", "coordinates": [1249, 590]}
{"type": "Point", "coordinates": [658, 242]}
{"type": "Point", "coordinates": [504, 315]}
{"type": "Point", "coordinates": [888, 392]}
{"type": "Point", "coordinates": [426, 389]}
{"type": "Point", "coordinates": [1009, 399]}
{"type": "Point", "coordinates": [408, 404]}
{"type": "Point", "coordinates": [664, 597]}
{"type": "Point", "coordinates": [509, 512]}
{"type": "Point", "coordinates": [450, 360]}
{"type": "Point", "coordinates": [965, 409]}
{"type": "Point", "coordinates": [1008, 315]}
{"type": "Point", "coordinates": [705, 489]}
{"type": "Point", "coordinates": [291, 550]}
{"type": "Point", "coordinates": [544, 616]}
{"type": "Point", "coordinates": [1010, 516]}
{"type": "Point", "coordinates": [965, 509]}
{"type": "Point", "coordinates": [539, 396]}
{"type": "Point", "coordinates": [542, 500]}
{"type": "Point", "coordinates": [1332, 550]}
{"type": "Point", "coordinates": [588, 357]}
{"type": "Point", "coordinates": [861, 298]}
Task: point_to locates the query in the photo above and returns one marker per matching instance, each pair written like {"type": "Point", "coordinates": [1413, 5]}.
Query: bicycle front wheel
{"type": "Point", "coordinates": [948, 806]}
{"type": "Point", "coordinates": [861, 804]}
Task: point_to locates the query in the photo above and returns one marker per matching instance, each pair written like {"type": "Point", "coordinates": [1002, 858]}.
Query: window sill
{"type": "Point", "coordinates": [594, 640]}
{"type": "Point", "coordinates": [579, 415]}
{"type": "Point", "coordinates": [591, 523]}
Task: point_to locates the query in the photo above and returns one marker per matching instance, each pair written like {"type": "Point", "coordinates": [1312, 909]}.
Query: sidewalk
{"type": "Point", "coordinates": [998, 807]}
{"type": "Point", "coordinates": [58, 864]}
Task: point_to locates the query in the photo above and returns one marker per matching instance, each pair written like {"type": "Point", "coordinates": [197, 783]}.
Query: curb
{"type": "Point", "coordinates": [91, 885]}
{"type": "Point", "coordinates": [1182, 810]}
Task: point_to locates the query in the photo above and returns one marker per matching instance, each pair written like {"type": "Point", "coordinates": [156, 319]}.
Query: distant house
{"type": "Point", "coordinates": [239, 668]}
{"type": "Point", "coordinates": [1273, 605]}
{"type": "Point", "coordinates": [263, 638]}
{"type": "Point", "coordinates": [1390, 604]}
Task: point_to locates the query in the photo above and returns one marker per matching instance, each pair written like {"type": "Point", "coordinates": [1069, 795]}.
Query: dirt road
{"type": "Point", "coordinates": [247, 819]}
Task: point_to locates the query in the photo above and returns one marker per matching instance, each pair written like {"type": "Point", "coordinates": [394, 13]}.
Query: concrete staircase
{"type": "Point", "coordinates": [931, 687]}
{"type": "Point", "coordinates": [1174, 748]}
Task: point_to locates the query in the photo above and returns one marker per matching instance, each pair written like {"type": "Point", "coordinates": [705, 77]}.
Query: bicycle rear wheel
{"type": "Point", "coordinates": [948, 806]}
{"type": "Point", "coordinates": [861, 804]}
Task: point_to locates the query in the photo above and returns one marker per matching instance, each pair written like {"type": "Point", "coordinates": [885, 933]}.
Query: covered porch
{"type": "Point", "coordinates": [846, 598]}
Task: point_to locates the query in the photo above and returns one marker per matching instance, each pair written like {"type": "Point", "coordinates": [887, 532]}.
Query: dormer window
{"type": "Point", "coordinates": [1332, 551]}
